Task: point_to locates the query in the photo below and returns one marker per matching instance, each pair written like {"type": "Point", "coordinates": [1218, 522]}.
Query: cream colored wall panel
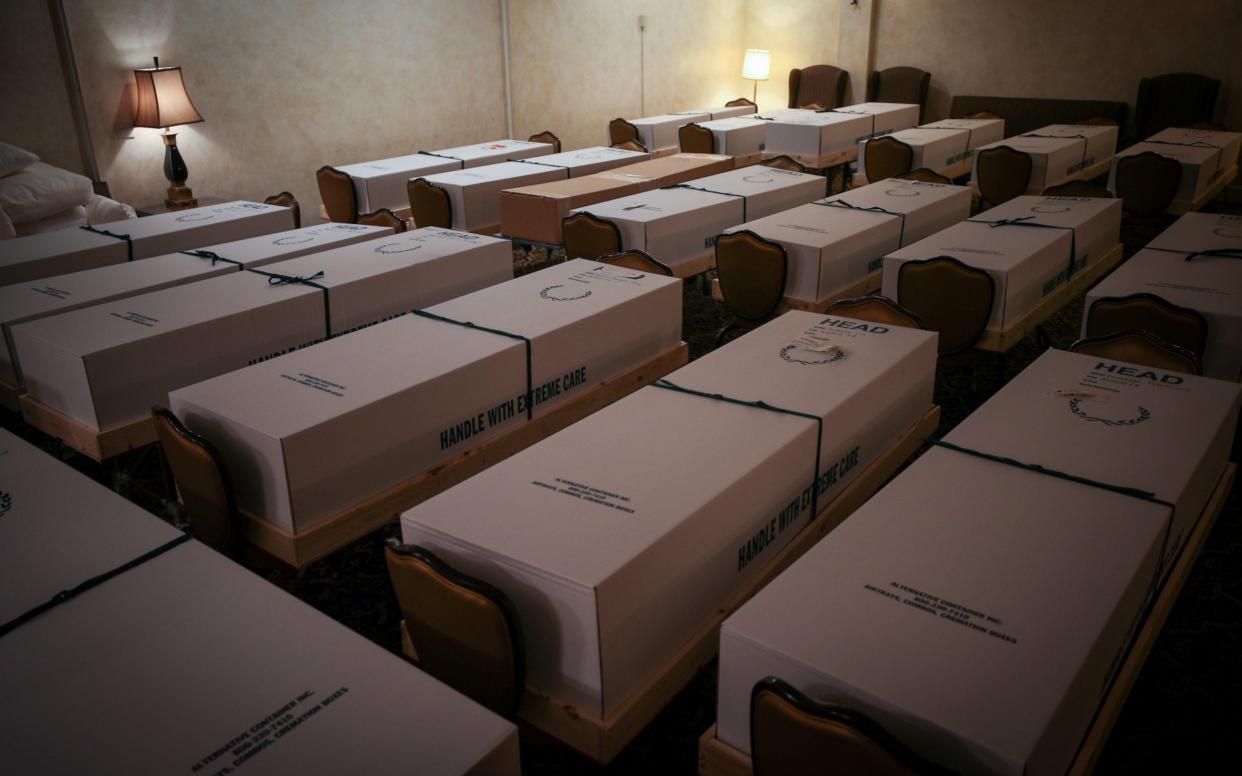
{"type": "Point", "coordinates": [34, 113]}
{"type": "Point", "coordinates": [798, 33]}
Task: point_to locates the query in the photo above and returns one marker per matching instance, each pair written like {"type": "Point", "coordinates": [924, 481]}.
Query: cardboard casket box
{"type": "Point", "coordinates": [452, 387]}
{"type": "Point", "coordinates": [621, 536]}
{"type": "Point", "coordinates": [1202, 165]}
{"type": "Point", "coordinates": [1097, 142]}
{"type": "Point", "coordinates": [1054, 160]}
{"type": "Point", "coordinates": [884, 117]}
{"type": "Point", "coordinates": [935, 149]}
{"type": "Point", "coordinates": [659, 133]}
{"type": "Point", "coordinates": [764, 190]}
{"type": "Point", "coordinates": [1094, 222]}
{"type": "Point", "coordinates": [105, 365]}
{"type": "Point", "coordinates": [1228, 142]}
{"type": "Point", "coordinates": [22, 302]}
{"type": "Point", "coordinates": [935, 609]}
{"type": "Point", "coordinates": [496, 151]}
{"type": "Point", "coordinates": [1176, 268]}
{"type": "Point", "coordinates": [980, 131]}
{"type": "Point", "coordinates": [475, 192]}
{"type": "Point", "coordinates": [737, 136]}
{"type": "Point", "coordinates": [70, 250]}
{"type": "Point", "coordinates": [191, 631]}
{"type": "Point", "coordinates": [725, 112]}
{"type": "Point", "coordinates": [838, 242]}
{"type": "Point", "coordinates": [381, 183]}
{"type": "Point", "coordinates": [588, 161]}
{"type": "Point", "coordinates": [815, 138]}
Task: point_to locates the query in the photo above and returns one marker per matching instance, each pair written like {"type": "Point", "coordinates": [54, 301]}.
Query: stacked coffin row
{"type": "Point", "coordinates": [1060, 152]}
{"type": "Point", "coordinates": [978, 608]}
{"type": "Point", "coordinates": [1194, 263]}
{"type": "Point", "coordinates": [944, 146]}
{"type": "Point", "coordinates": [71, 250]}
{"type": "Point", "coordinates": [104, 366]}
{"type": "Point", "coordinates": [1205, 155]}
{"type": "Point", "coordinates": [623, 535]}
{"type": "Point", "coordinates": [185, 662]}
{"type": "Point", "coordinates": [659, 133]}
{"type": "Point", "coordinates": [452, 386]}
{"type": "Point", "coordinates": [1031, 246]}
{"type": "Point", "coordinates": [30, 301]}
{"type": "Point", "coordinates": [821, 138]}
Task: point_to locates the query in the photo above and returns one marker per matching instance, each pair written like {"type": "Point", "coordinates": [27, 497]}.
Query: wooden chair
{"type": "Point", "coordinates": [821, 85]}
{"type": "Point", "coordinates": [637, 260]}
{"type": "Point", "coordinates": [286, 199]}
{"type": "Point", "coordinates": [886, 157]}
{"type": "Point", "coordinates": [589, 237]}
{"type": "Point", "coordinates": [900, 84]}
{"type": "Point", "coordinates": [790, 731]}
{"type": "Point", "coordinates": [430, 205]}
{"type": "Point", "coordinates": [1176, 325]}
{"type": "Point", "coordinates": [1173, 100]}
{"type": "Point", "coordinates": [1002, 173]}
{"type": "Point", "coordinates": [694, 139]}
{"type": "Point", "coordinates": [785, 162]}
{"type": "Point", "coordinates": [1079, 189]}
{"type": "Point", "coordinates": [949, 297]}
{"type": "Point", "coordinates": [1146, 183]}
{"type": "Point", "coordinates": [459, 629]}
{"type": "Point", "coordinates": [752, 272]}
{"type": "Point", "coordinates": [877, 309]}
{"type": "Point", "coordinates": [983, 114]}
{"type": "Point", "coordinates": [1140, 347]}
{"type": "Point", "coordinates": [203, 485]}
{"type": "Point", "coordinates": [925, 175]}
{"type": "Point", "coordinates": [384, 217]}
{"type": "Point", "coordinates": [1098, 121]}
{"type": "Point", "coordinates": [630, 145]}
{"type": "Point", "coordinates": [740, 101]}
{"type": "Point", "coordinates": [620, 131]}
{"type": "Point", "coordinates": [546, 136]}
{"type": "Point", "coordinates": [336, 189]}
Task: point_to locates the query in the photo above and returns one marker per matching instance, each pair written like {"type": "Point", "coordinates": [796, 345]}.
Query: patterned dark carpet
{"type": "Point", "coordinates": [1183, 714]}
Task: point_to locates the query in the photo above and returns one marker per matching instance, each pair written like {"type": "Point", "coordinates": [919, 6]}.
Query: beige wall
{"type": "Point", "coordinates": [798, 33]}
{"type": "Point", "coordinates": [35, 111]}
{"type": "Point", "coordinates": [1061, 48]}
{"type": "Point", "coordinates": [576, 62]}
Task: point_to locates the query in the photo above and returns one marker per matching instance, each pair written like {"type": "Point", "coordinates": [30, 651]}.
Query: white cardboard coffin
{"type": "Point", "coordinates": [1228, 142]}
{"type": "Point", "coordinates": [381, 183]}
{"type": "Point", "coordinates": [1201, 166]}
{"type": "Point", "coordinates": [188, 663]}
{"type": "Point", "coordinates": [619, 537]}
{"type": "Point", "coordinates": [1026, 264]}
{"type": "Point", "coordinates": [934, 148]}
{"type": "Point", "coordinates": [71, 250]}
{"type": "Point", "coordinates": [884, 117]}
{"type": "Point", "coordinates": [107, 364]}
{"type": "Point", "coordinates": [1054, 160]}
{"type": "Point", "coordinates": [23, 302]}
{"type": "Point", "coordinates": [588, 161]}
{"type": "Point", "coordinates": [452, 388]}
{"type": "Point", "coordinates": [1094, 221]}
{"type": "Point", "coordinates": [493, 152]}
{"type": "Point", "coordinates": [832, 247]}
{"type": "Point", "coordinates": [725, 112]}
{"type": "Point", "coordinates": [1096, 142]}
{"type": "Point", "coordinates": [1210, 284]}
{"type": "Point", "coordinates": [977, 610]}
{"type": "Point", "coordinates": [811, 135]}
{"type": "Point", "coordinates": [737, 136]}
{"type": "Point", "coordinates": [660, 132]}
{"type": "Point", "coordinates": [475, 192]}
{"type": "Point", "coordinates": [766, 190]}
{"type": "Point", "coordinates": [981, 131]}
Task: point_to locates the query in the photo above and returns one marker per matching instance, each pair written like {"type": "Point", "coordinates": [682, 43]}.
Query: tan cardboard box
{"type": "Point", "coordinates": [475, 192]}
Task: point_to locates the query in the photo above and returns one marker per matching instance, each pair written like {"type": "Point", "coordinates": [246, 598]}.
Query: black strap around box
{"type": "Point", "coordinates": [443, 156]}
{"type": "Point", "coordinates": [1082, 165]}
{"type": "Point", "coordinates": [542, 164]}
{"type": "Point", "coordinates": [970, 133]}
{"type": "Point", "coordinates": [1220, 156]}
{"type": "Point", "coordinates": [212, 257]}
{"type": "Point", "coordinates": [278, 279]}
{"type": "Point", "coordinates": [712, 191]}
{"type": "Point", "coordinates": [530, 387]}
{"type": "Point", "coordinates": [1026, 221]}
{"type": "Point", "coordinates": [843, 205]}
{"type": "Point", "coordinates": [855, 113]}
{"type": "Point", "coordinates": [92, 582]}
{"type": "Point", "coordinates": [668, 385]}
{"type": "Point", "coordinates": [129, 241]}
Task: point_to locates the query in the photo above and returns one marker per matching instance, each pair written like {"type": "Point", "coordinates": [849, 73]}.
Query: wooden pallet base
{"type": "Point", "coordinates": [819, 162]}
{"type": "Point", "coordinates": [327, 536]}
{"type": "Point", "coordinates": [1180, 206]}
{"type": "Point", "coordinates": [863, 287]}
{"type": "Point", "coordinates": [9, 394]}
{"type": "Point", "coordinates": [602, 740]}
{"type": "Point", "coordinates": [717, 758]}
{"type": "Point", "coordinates": [91, 442]}
{"type": "Point", "coordinates": [695, 265]}
{"type": "Point", "coordinates": [1002, 341]}
{"type": "Point", "coordinates": [746, 160]}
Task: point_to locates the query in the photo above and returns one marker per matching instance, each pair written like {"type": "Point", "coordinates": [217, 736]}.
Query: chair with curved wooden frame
{"type": "Point", "coordinates": [430, 205]}
{"type": "Point", "coordinates": [384, 217]}
{"type": "Point", "coordinates": [949, 297]}
{"type": "Point", "coordinates": [1097, 121]}
{"type": "Point", "coordinates": [1078, 189]}
{"type": "Point", "coordinates": [630, 145]}
{"type": "Point", "coordinates": [877, 309]}
{"type": "Point", "coordinates": [819, 85]}
{"type": "Point", "coordinates": [336, 189]}
{"type": "Point", "coordinates": [1140, 347]}
{"type": "Point", "coordinates": [694, 139]}
{"type": "Point", "coordinates": [637, 260]}
{"type": "Point", "coordinates": [546, 136]}
{"type": "Point", "coordinates": [1174, 324]}
{"type": "Point", "coordinates": [1002, 174]}
{"type": "Point", "coordinates": [1173, 100]}
{"type": "Point", "coordinates": [286, 199]}
{"type": "Point", "coordinates": [900, 84]}
{"type": "Point", "coordinates": [886, 157]}
{"type": "Point", "coordinates": [620, 130]}
{"type": "Point", "coordinates": [788, 730]}
{"type": "Point", "coordinates": [461, 630]}
{"type": "Point", "coordinates": [1146, 183]}
{"type": "Point", "coordinates": [785, 162]}
{"type": "Point", "coordinates": [983, 114]}
{"type": "Point", "coordinates": [589, 237]}
{"type": "Point", "coordinates": [752, 272]}
{"type": "Point", "coordinates": [925, 175]}
{"type": "Point", "coordinates": [203, 485]}
{"type": "Point", "coordinates": [740, 101]}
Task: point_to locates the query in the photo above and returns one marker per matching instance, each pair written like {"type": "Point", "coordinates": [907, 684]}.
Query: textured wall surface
{"type": "Point", "coordinates": [34, 113]}
{"type": "Point", "coordinates": [798, 33]}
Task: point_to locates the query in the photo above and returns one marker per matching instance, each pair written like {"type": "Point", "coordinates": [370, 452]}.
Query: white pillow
{"type": "Point", "coordinates": [42, 190]}
{"type": "Point", "coordinates": [14, 159]}
{"type": "Point", "coordinates": [101, 210]}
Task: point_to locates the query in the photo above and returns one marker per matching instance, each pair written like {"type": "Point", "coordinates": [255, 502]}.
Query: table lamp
{"type": "Point", "coordinates": [755, 67]}
{"type": "Point", "coordinates": [163, 103]}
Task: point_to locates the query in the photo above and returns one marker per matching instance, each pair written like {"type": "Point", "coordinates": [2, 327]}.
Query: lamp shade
{"type": "Point", "coordinates": [162, 99]}
{"type": "Point", "coordinates": [757, 64]}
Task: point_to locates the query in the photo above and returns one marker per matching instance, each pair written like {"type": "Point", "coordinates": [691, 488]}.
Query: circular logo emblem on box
{"type": "Point", "coordinates": [551, 293]}
{"type": "Point", "coordinates": [1225, 231]}
{"type": "Point", "coordinates": [1049, 209]}
{"type": "Point", "coordinates": [6, 503]}
{"type": "Point", "coordinates": [390, 248]}
{"type": "Point", "coordinates": [759, 179]}
{"type": "Point", "coordinates": [902, 193]}
{"type": "Point", "coordinates": [796, 355]}
{"type": "Point", "coordinates": [190, 218]}
{"type": "Point", "coordinates": [291, 240]}
{"type": "Point", "coordinates": [1143, 415]}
